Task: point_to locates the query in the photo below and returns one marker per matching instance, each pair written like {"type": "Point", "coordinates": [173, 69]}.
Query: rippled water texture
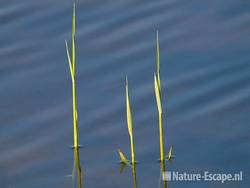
{"type": "Point", "coordinates": [205, 70]}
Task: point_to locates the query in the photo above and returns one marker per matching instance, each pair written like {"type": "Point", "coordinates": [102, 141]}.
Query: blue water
{"type": "Point", "coordinates": [205, 72]}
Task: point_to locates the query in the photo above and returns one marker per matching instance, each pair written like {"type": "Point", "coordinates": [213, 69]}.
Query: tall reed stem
{"type": "Point", "coordinates": [130, 123]}
{"type": "Point", "coordinates": [72, 67]}
{"type": "Point", "coordinates": [157, 84]}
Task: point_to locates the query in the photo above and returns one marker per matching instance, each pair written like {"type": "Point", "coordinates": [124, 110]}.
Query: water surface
{"type": "Point", "coordinates": [205, 69]}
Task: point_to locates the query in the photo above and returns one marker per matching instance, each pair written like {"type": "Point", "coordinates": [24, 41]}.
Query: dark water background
{"type": "Point", "coordinates": [205, 69]}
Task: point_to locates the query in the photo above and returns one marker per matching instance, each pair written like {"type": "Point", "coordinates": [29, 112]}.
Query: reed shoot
{"type": "Point", "coordinates": [130, 123]}
{"type": "Point", "coordinates": [157, 84]}
{"type": "Point", "coordinates": [72, 68]}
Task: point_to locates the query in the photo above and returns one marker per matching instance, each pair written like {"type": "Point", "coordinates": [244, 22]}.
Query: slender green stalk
{"type": "Point", "coordinates": [72, 63]}
{"type": "Point", "coordinates": [162, 153]}
{"type": "Point", "coordinates": [130, 123]}
{"type": "Point", "coordinates": [157, 84]}
{"type": "Point", "coordinates": [123, 159]}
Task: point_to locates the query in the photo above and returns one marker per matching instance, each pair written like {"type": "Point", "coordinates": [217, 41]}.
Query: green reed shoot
{"type": "Point", "coordinates": [130, 123]}
{"type": "Point", "coordinates": [72, 68]}
{"type": "Point", "coordinates": [157, 84]}
{"type": "Point", "coordinates": [123, 159]}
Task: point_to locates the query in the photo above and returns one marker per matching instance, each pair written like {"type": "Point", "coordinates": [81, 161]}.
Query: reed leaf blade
{"type": "Point", "coordinates": [122, 157]}
{"type": "Point", "coordinates": [157, 95]}
{"type": "Point", "coordinates": [69, 61]}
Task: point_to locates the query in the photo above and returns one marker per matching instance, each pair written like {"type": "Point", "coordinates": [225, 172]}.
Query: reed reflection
{"type": "Point", "coordinates": [133, 171]}
{"type": "Point", "coordinates": [134, 175]}
{"type": "Point", "coordinates": [77, 172]}
{"type": "Point", "coordinates": [162, 181]}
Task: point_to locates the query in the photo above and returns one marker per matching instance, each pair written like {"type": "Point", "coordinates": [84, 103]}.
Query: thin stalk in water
{"type": "Point", "coordinates": [157, 84]}
{"type": "Point", "coordinates": [72, 68]}
{"type": "Point", "coordinates": [130, 123]}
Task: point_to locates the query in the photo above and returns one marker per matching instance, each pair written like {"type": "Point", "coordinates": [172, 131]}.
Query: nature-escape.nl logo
{"type": "Point", "coordinates": [205, 176]}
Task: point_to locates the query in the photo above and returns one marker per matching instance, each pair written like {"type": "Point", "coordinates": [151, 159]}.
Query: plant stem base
{"type": "Point", "coordinates": [79, 147]}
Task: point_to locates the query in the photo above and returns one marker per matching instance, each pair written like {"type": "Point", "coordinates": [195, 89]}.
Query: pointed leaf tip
{"type": "Point", "coordinates": [69, 61]}
{"type": "Point", "coordinates": [73, 19]}
{"type": "Point", "coordinates": [126, 80]}
{"type": "Point", "coordinates": [122, 156]}
{"type": "Point", "coordinates": [128, 110]}
{"type": "Point", "coordinates": [170, 153]}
